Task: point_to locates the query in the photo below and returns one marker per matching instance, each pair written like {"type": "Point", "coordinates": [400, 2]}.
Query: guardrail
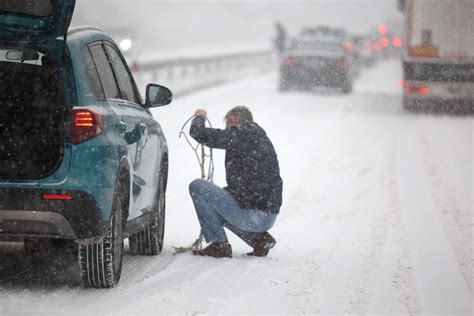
{"type": "Point", "coordinates": [186, 74]}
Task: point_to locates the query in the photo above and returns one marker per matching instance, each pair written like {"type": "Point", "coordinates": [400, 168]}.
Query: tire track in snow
{"type": "Point", "coordinates": [344, 257]}
{"type": "Point", "coordinates": [202, 285]}
{"type": "Point", "coordinates": [452, 193]}
{"type": "Point", "coordinates": [137, 269]}
{"type": "Point", "coordinates": [441, 286]}
{"type": "Point", "coordinates": [391, 283]}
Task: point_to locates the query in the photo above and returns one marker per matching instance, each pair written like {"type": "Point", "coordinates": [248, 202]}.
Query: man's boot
{"type": "Point", "coordinates": [262, 245]}
{"type": "Point", "coordinates": [216, 250]}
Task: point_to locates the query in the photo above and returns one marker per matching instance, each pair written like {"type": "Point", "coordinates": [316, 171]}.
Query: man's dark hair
{"type": "Point", "coordinates": [240, 113]}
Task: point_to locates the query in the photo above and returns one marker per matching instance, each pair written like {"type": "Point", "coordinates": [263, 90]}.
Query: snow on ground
{"type": "Point", "coordinates": [377, 216]}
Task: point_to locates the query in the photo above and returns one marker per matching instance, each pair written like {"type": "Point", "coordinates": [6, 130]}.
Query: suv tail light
{"type": "Point", "coordinates": [85, 125]}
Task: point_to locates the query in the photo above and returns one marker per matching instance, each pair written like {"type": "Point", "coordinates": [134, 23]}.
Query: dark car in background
{"type": "Point", "coordinates": [82, 160]}
{"type": "Point", "coordinates": [318, 57]}
{"type": "Point", "coordinates": [363, 51]}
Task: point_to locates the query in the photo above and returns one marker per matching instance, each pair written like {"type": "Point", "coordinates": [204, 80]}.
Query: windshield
{"type": "Point", "coordinates": [37, 8]}
{"type": "Point", "coordinates": [326, 46]}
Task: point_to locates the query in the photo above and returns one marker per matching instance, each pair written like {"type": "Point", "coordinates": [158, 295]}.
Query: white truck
{"type": "Point", "coordinates": [438, 59]}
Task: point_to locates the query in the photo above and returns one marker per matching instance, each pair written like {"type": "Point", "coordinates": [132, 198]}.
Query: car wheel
{"type": "Point", "coordinates": [347, 87]}
{"type": "Point", "coordinates": [283, 84]}
{"type": "Point", "coordinates": [100, 262]}
{"type": "Point", "coordinates": [409, 105]}
{"type": "Point", "coordinates": [283, 87]}
{"type": "Point", "coordinates": [149, 241]}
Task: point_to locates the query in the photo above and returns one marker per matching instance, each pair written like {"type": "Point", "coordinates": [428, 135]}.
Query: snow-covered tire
{"type": "Point", "coordinates": [149, 241]}
{"type": "Point", "coordinates": [283, 87]}
{"type": "Point", "coordinates": [100, 262]}
{"type": "Point", "coordinates": [347, 87]}
{"type": "Point", "coordinates": [284, 84]}
{"type": "Point", "coordinates": [409, 105]}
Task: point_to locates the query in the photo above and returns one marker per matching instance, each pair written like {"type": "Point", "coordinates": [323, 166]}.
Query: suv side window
{"type": "Point", "coordinates": [92, 75]}
{"type": "Point", "coordinates": [105, 72]}
{"type": "Point", "coordinates": [123, 76]}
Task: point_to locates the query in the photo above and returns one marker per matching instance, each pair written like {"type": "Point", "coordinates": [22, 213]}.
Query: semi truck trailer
{"type": "Point", "coordinates": [438, 58]}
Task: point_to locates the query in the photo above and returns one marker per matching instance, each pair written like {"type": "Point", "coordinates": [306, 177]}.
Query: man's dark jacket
{"type": "Point", "coordinates": [252, 171]}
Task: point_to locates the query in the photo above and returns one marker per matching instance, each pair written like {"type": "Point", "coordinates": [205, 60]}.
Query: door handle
{"type": "Point", "coordinates": [122, 127]}
{"type": "Point", "coordinates": [142, 127]}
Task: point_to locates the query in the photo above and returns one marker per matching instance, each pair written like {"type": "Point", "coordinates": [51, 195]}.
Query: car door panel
{"type": "Point", "coordinates": [126, 120]}
{"type": "Point", "coordinates": [145, 159]}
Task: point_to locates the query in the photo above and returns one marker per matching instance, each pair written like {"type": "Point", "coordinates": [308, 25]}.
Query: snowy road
{"type": "Point", "coordinates": [377, 216]}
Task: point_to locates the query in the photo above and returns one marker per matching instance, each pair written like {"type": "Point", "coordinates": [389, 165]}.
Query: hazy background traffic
{"type": "Point", "coordinates": [157, 26]}
{"type": "Point", "coordinates": [377, 215]}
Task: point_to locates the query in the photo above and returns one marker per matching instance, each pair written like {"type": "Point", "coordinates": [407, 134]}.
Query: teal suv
{"type": "Point", "coordinates": [82, 161]}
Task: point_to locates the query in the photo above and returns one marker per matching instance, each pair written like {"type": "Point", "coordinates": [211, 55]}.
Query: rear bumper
{"type": "Point", "coordinates": [440, 96]}
{"type": "Point", "coordinates": [25, 214]}
{"type": "Point", "coordinates": [454, 106]}
{"type": "Point", "coordinates": [440, 90]}
{"type": "Point", "coordinates": [312, 77]}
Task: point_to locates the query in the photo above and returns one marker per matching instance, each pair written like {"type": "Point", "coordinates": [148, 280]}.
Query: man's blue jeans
{"type": "Point", "coordinates": [216, 208]}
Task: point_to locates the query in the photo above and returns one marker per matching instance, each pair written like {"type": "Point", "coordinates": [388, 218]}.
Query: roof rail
{"type": "Point", "coordinates": [78, 29]}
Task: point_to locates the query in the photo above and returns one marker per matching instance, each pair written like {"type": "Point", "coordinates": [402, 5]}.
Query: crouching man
{"type": "Point", "coordinates": [250, 203]}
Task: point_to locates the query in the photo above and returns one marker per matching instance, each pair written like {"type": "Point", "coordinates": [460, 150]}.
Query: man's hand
{"type": "Point", "coordinates": [200, 112]}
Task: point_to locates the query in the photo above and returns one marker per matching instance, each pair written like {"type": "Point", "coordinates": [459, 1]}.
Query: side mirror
{"type": "Point", "coordinates": [157, 95]}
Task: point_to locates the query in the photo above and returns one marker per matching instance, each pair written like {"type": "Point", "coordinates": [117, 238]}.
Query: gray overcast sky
{"type": "Point", "coordinates": [184, 24]}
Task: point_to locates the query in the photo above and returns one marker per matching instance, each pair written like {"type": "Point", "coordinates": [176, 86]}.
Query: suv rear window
{"type": "Point", "coordinates": [105, 72]}
{"type": "Point", "coordinates": [94, 81]}
{"type": "Point", "coordinates": [38, 8]}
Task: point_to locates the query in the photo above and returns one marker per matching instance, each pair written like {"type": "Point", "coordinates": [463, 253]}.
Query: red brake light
{"type": "Point", "coordinates": [397, 42]}
{"type": "Point", "coordinates": [289, 62]}
{"type": "Point", "coordinates": [85, 125]}
{"type": "Point", "coordinates": [62, 197]}
{"type": "Point", "coordinates": [417, 89]}
{"type": "Point", "coordinates": [340, 64]}
{"type": "Point", "coordinates": [424, 90]}
{"type": "Point", "coordinates": [382, 29]}
{"type": "Point", "coordinates": [349, 47]}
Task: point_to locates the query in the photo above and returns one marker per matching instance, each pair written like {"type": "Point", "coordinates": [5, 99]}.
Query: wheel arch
{"type": "Point", "coordinates": [124, 175]}
{"type": "Point", "coordinates": [164, 166]}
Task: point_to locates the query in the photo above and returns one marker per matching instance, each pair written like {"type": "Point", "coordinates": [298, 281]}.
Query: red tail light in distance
{"type": "Point", "coordinates": [289, 62]}
{"type": "Point", "coordinates": [397, 42]}
{"type": "Point", "coordinates": [349, 47]}
{"type": "Point", "coordinates": [340, 64]}
{"type": "Point", "coordinates": [421, 90]}
{"type": "Point", "coordinates": [85, 125]}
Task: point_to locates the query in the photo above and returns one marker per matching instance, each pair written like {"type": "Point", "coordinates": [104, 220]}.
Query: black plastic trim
{"type": "Point", "coordinates": [81, 212]}
{"type": "Point", "coordinates": [439, 72]}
